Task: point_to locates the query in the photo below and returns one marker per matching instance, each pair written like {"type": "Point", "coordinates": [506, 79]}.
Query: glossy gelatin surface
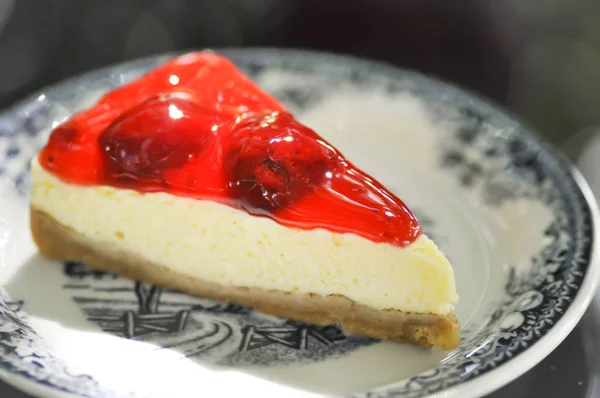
{"type": "Point", "coordinates": [197, 127]}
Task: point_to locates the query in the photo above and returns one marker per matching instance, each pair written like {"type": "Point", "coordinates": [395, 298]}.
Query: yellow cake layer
{"type": "Point", "coordinates": [226, 246]}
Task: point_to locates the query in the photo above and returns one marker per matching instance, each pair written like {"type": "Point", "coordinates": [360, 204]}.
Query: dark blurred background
{"type": "Point", "coordinates": [540, 58]}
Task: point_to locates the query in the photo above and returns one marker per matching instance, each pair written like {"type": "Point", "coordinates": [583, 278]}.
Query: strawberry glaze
{"type": "Point", "coordinates": [197, 127]}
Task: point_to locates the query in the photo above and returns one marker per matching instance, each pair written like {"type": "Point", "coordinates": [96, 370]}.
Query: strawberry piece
{"type": "Point", "coordinates": [273, 161]}
{"type": "Point", "coordinates": [162, 133]}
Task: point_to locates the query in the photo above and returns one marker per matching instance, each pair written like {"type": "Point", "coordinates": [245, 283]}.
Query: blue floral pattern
{"type": "Point", "coordinates": [533, 302]}
{"type": "Point", "coordinates": [23, 352]}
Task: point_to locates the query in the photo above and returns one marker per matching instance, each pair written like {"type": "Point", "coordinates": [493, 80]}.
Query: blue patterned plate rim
{"type": "Point", "coordinates": [502, 371]}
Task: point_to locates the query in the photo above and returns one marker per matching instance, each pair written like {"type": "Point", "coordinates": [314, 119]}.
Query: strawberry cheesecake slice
{"type": "Point", "coordinates": [193, 178]}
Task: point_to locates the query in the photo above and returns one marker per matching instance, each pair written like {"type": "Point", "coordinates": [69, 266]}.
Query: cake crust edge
{"type": "Point", "coordinates": [58, 242]}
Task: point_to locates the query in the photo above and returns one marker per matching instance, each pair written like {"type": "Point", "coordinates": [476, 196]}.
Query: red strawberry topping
{"type": "Point", "coordinates": [273, 161]}
{"type": "Point", "coordinates": [197, 127]}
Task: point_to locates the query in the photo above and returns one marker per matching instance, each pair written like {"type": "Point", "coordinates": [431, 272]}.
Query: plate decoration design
{"type": "Point", "coordinates": [507, 166]}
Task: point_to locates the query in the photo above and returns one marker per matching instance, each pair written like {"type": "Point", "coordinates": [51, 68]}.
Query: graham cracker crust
{"type": "Point", "coordinates": [58, 242]}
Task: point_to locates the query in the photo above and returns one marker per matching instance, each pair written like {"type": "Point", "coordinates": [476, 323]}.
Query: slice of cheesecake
{"type": "Point", "coordinates": [193, 178]}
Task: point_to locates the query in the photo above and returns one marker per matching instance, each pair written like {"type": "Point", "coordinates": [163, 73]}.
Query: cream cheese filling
{"type": "Point", "coordinates": [220, 244]}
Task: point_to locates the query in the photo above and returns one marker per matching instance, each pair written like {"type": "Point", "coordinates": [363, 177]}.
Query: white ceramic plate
{"type": "Point", "coordinates": [516, 220]}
